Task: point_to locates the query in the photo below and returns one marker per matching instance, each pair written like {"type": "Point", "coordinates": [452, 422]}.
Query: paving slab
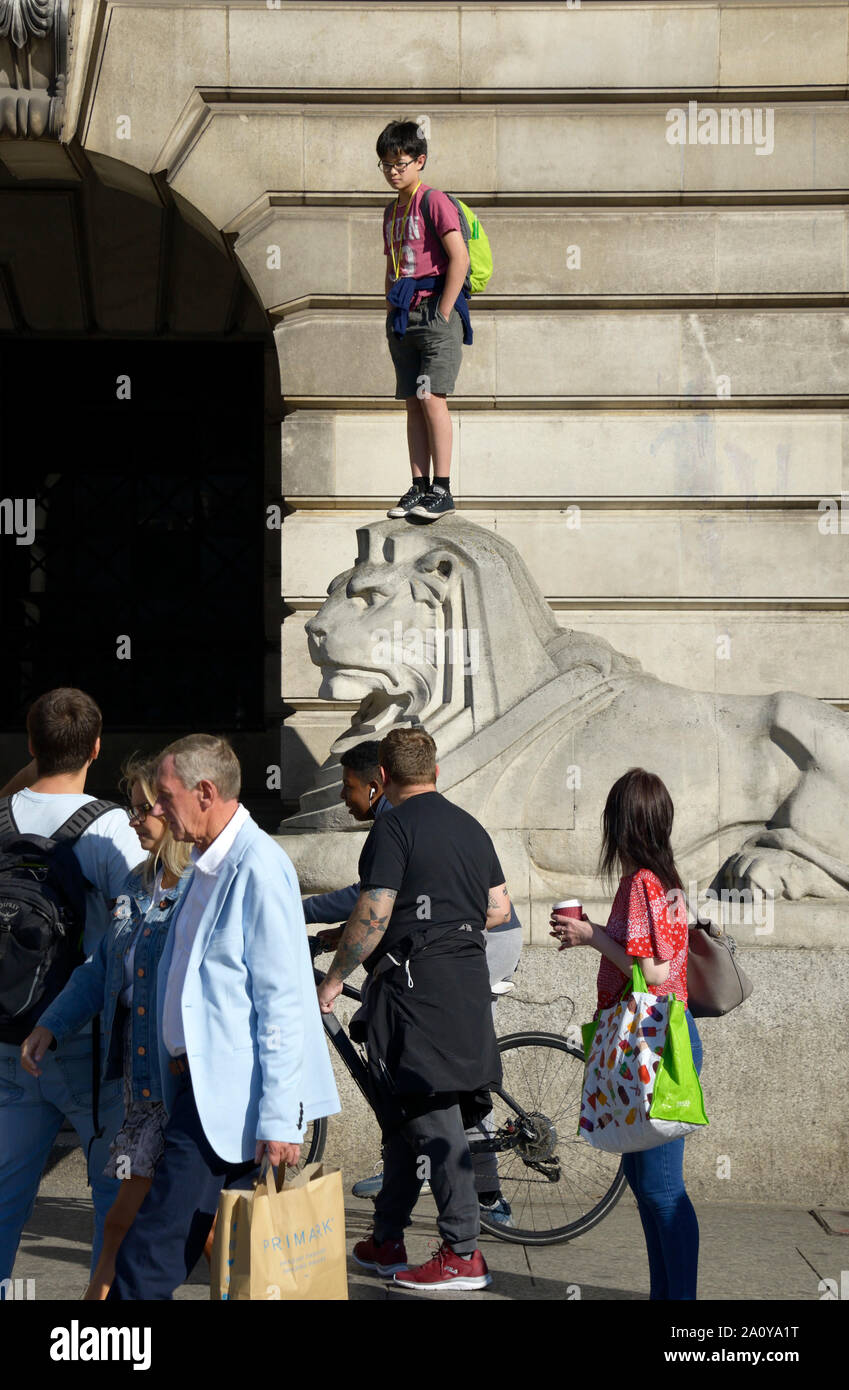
{"type": "Point", "coordinates": [748, 1252]}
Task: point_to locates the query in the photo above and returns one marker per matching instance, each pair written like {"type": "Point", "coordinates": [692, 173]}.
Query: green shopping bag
{"type": "Point", "coordinates": [641, 1087]}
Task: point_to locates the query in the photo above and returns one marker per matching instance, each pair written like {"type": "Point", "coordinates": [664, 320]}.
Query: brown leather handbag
{"type": "Point", "coordinates": [716, 983]}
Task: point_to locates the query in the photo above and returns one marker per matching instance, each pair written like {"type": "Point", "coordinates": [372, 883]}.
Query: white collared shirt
{"type": "Point", "coordinates": [186, 925]}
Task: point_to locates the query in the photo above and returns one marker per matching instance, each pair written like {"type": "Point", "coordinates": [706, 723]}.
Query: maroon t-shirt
{"type": "Point", "coordinates": [419, 250]}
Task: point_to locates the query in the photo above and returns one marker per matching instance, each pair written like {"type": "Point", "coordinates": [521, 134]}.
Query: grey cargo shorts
{"type": "Point", "coordinates": [429, 355]}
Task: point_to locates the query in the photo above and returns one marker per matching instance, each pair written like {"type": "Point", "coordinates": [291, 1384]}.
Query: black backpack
{"type": "Point", "coordinates": [42, 915]}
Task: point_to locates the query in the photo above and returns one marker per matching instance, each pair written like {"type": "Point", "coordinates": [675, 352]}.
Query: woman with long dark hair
{"type": "Point", "coordinates": [648, 921]}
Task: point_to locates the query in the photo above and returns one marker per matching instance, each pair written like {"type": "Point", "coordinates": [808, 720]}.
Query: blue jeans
{"type": "Point", "coordinates": [656, 1178]}
{"type": "Point", "coordinates": [31, 1114]}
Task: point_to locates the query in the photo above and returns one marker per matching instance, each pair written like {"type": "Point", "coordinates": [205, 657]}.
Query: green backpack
{"type": "Point", "coordinates": [477, 244]}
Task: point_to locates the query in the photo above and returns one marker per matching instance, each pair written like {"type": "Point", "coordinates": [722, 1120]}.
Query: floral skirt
{"type": "Point", "coordinates": [140, 1142]}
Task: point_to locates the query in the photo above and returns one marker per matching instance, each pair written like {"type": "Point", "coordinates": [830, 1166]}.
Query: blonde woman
{"type": "Point", "coordinates": [119, 979]}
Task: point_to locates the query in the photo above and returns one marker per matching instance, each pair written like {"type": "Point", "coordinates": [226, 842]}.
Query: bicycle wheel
{"type": "Point", "coordinates": [313, 1142]}
{"type": "Point", "coordinates": [557, 1186]}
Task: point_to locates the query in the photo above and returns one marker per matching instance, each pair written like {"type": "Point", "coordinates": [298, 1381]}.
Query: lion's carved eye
{"type": "Point", "coordinates": [369, 593]}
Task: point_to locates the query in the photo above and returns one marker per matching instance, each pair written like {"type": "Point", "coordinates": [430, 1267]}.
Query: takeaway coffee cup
{"type": "Point", "coordinates": [569, 907]}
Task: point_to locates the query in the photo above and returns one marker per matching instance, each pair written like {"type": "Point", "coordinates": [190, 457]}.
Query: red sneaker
{"type": "Point", "coordinates": [385, 1259]}
{"type": "Point", "coordinates": [446, 1270]}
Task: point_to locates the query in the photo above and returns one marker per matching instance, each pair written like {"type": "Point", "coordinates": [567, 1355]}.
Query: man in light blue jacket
{"type": "Point", "coordinates": [242, 1048]}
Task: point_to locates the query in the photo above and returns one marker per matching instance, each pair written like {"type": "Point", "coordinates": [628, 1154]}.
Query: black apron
{"type": "Point", "coordinates": [429, 1025]}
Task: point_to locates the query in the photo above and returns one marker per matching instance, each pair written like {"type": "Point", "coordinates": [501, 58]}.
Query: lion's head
{"type": "Point", "coordinates": [443, 626]}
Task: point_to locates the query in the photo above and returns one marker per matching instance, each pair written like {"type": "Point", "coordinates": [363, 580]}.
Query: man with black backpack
{"type": "Point", "coordinates": [64, 858]}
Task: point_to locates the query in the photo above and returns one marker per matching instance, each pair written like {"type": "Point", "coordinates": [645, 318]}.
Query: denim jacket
{"type": "Point", "coordinates": [96, 985]}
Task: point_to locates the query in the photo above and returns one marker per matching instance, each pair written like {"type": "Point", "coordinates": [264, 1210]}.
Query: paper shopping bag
{"type": "Point", "coordinates": [641, 1087]}
{"type": "Point", "coordinates": [282, 1242]}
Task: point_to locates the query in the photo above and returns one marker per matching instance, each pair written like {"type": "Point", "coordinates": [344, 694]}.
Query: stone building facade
{"type": "Point", "coordinates": [654, 412]}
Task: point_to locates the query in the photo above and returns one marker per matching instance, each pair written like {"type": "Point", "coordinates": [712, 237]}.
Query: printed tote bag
{"type": "Point", "coordinates": [641, 1087]}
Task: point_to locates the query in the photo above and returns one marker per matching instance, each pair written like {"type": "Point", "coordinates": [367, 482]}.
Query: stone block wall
{"type": "Point", "coordinates": [659, 387]}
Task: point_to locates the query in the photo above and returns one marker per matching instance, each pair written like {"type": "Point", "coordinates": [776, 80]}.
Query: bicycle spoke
{"type": "Point", "coordinates": [543, 1074]}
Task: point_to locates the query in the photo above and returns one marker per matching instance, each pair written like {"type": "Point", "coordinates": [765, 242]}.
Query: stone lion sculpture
{"type": "Point", "coordinates": [443, 626]}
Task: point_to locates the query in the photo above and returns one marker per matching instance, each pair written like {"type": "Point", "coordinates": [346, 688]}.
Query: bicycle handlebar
{"type": "Point", "coordinates": [317, 947]}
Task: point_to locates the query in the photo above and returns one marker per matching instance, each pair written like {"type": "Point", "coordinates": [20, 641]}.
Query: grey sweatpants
{"type": "Point", "coordinates": [503, 948]}
{"type": "Point", "coordinates": [430, 1145]}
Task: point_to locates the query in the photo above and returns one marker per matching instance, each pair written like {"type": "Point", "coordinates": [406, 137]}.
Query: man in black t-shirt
{"type": "Point", "coordinates": [430, 884]}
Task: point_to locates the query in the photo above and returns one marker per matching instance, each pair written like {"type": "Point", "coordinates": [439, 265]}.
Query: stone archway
{"type": "Point", "coordinates": [135, 401]}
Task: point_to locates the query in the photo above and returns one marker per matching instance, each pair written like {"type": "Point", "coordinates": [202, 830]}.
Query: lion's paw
{"type": "Point", "coordinates": [774, 873]}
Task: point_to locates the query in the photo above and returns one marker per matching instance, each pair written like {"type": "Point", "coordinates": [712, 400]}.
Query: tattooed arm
{"type": "Point", "coordinates": [498, 906]}
{"type": "Point", "coordinates": [363, 932]}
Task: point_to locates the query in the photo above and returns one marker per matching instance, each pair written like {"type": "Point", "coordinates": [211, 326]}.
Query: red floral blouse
{"type": "Point", "coordinates": [642, 920]}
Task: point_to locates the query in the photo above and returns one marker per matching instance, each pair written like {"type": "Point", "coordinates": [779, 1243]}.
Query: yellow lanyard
{"type": "Point", "coordinates": [396, 259]}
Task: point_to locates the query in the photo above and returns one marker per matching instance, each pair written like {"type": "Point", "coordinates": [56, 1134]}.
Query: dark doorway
{"type": "Point", "coordinates": [151, 577]}
{"type": "Point", "coordinates": [143, 582]}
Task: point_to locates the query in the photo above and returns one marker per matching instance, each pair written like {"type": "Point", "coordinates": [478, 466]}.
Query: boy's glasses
{"type": "Point", "coordinates": [387, 168]}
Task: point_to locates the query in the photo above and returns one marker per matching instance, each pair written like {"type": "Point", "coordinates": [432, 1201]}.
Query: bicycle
{"type": "Point", "coordinates": [546, 1172]}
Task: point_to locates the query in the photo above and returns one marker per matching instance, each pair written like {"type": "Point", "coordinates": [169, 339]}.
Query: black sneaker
{"type": "Point", "coordinates": [408, 501]}
{"type": "Point", "coordinates": [434, 504]}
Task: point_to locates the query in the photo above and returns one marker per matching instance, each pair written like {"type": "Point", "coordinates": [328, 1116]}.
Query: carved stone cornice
{"type": "Point", "coordinates": [22, 20]}
{"type": "Point", "coordinates": [33, 68]}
